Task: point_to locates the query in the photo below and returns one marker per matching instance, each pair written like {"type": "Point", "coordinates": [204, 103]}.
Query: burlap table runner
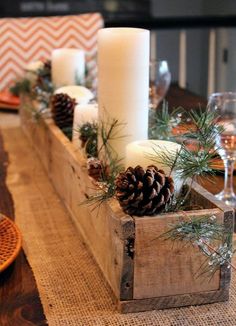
{"type": "Point", "coordinates": [71, 287]}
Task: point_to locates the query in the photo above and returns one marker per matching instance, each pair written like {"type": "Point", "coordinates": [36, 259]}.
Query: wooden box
{"type": "Point", "coordinates": [143, 272]}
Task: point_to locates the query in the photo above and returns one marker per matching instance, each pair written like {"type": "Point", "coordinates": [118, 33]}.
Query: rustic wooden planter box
{"type": "Point", "coordinates": [143, 273]}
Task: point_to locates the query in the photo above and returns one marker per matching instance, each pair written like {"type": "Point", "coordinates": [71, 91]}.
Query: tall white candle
{"type": "Point", "coordinates": [140, 153]}
{"type": "Point", "coordinates": [68, 67]}
{"type": "Point", "coordinates": [83, 114]}
{"type": "Point", "coordinates": [123, 82]}
{"type": "Point", "coordinates": [81, 94]}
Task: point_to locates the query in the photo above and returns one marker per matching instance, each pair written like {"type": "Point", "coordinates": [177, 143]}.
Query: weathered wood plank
{"type": "Point", "coordinates": [164, 268]}
{"type": "Point", "coordinates": [106, 230]}
{"type": "Point", "coordinates": [173, 301]}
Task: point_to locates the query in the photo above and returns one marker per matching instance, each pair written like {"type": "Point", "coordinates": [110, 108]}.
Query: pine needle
{"type": "Point", "coordinates": [161, 122]}
{"type": "Point", "coordinates": [110, 163]}
{"type": "Point", "coordinates": [209, 236]}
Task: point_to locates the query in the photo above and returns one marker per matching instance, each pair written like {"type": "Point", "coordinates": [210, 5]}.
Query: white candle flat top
{"type": "Point", "coordinates": [123, 30]}
{"type": "Point", "coordinates": [151, 144]}
{"type": "Point", "coordinates": [34, 66]}
{"type": "Point", "coordinates": [82, 94]}
{"type": "Point", "coordinates": [143, 152]}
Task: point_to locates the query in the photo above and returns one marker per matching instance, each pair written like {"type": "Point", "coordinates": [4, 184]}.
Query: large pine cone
{"type": "Point", "coordinates": [144, 192]}
{"type": "Point", "coordinates": [63, 110]}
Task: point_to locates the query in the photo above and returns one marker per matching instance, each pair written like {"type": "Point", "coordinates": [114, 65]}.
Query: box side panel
{"type": "Point", "coordinates": [105, 230]}
{"type": "Point", "coordinates": [167, 268]}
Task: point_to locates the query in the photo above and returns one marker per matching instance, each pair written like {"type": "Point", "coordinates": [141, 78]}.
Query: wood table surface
{"type": "Point", "coordinates": [19, 298]}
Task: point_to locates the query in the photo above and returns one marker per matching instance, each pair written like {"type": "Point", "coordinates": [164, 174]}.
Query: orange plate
{"type": "Point", "coordinates": [7, 98]}
{"type": "Point", "coordinates": [10, 242]}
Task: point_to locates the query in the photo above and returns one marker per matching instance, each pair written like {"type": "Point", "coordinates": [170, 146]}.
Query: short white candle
{"type": "Point", "coordinates": [81, 94]}
{"type": "Point", "coordinates": [123, 82]}
{"type": "Point", "coordinates": [140, 152]}
{"type": "Point", "coordinates": [83, 114]}
{"type": "Point", "coordinates": [34, 66]}
{"type": "Point", "coordinates": [68, 67]}
{"type": "Point", "coordinates": [31, 70]}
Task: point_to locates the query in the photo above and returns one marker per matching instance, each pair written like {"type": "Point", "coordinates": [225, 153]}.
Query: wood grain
{"type": "Point", "coordinates": [163, 268]}
{"type": "Point", "coordinates": [19, 299]}
{"type": "Point", "coordinates": [107, 230]}
{"type": "Point", "coordinates": [173, 301]}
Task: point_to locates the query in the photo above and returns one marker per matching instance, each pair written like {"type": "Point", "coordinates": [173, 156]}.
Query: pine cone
{"type": "Point", "coordinates": [47, 65]}
{"type": "Point", "coordinates": [94, 166]}
{"type": "Point", "coordinates": [44, 74]}
{"type": "Point", "coordinates": [97, 170]}
{"type": "Point", "coordinates": [63, 110]}
{"type": "Point", "coordinates": [143, 192]}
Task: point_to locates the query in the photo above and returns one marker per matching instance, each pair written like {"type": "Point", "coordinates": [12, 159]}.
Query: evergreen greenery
{"type": "Point", "coordinates": [209, 236]}
{"type": "Point", "coordinates": [21, 86]}
{"type": "Point", "coordinates": [89, 136]}
{"type": "Point", "coordinates": [162, 123]}
{"type": "Point", "coordinates": [110, 162]}
{"type": "Point", "coordinates": [195, 159]}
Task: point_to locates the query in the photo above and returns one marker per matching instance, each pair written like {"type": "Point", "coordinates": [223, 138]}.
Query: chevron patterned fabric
{"type": "Point", "coordinates": [23, 40]}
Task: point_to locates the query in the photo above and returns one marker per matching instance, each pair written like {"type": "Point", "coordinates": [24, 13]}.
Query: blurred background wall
{"type": "Point", "coordinates": [166, 18]}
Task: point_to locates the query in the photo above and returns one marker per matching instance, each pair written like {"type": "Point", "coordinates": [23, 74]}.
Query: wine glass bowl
{"type": "Point", "coordinates": [160, 79]}
{"type": "Point", "coordinates": [224, 104]}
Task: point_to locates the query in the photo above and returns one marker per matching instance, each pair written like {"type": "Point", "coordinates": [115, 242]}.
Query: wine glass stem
{"type": "Point", "coordinates": [229, 169]}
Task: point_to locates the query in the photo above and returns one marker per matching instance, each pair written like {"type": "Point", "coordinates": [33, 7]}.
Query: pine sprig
{"type": "Point", "coordinates": [188, 163]}
{"type": "Point", "coordinates": [43, 88]}
{"type": "Point", "coordinates": [108, 131]}
{"type": "Point", "coordinates": [88, 135]}
{"type": "Point", "coordinates": [111, 164]}
{"type": "Point", "coordinates": [40, 90]}
{"type": "Point", "coordinates": [21, 86]}
{"type": "Point", "coordinates": [195, 159]}
{"type": "Point", "coordinates": [204, 128]}
{"type": "Point", "coordinates": [209, 236]}
{"type": "Point", "coordinates": [161, 122]}
{"type": "Point", "coordinates": [104, 192]}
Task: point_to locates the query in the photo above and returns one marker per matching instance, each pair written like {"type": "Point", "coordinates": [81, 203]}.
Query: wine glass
{"type": "Point", "coordinates": [224, 104]}
{"type": "Point", "coordinates": [160, 78]}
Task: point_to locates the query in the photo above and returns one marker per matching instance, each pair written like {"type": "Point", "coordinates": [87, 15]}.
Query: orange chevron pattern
{"type": "Point", "coordinates": [23, 40]}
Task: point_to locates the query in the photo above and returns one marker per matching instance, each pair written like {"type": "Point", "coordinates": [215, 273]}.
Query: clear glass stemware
{"type": "Point", "coordinates": [160, 79]}
{"type": "Point", "coordinates": [225, 105]}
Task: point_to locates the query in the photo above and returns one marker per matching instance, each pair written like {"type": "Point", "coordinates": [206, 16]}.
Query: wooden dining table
{"type": "Point", "coordinates": [19, 298]}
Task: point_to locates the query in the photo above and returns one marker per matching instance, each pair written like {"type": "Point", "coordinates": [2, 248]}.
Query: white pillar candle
{"type": "Point", "coordinates": [81, 94]}
{"type": "Point", "coordinates": [83, 114]}
{"type": "Point", "coordinates": [123, 82]}
{"type": "Point", "coordinates": [68, 67]}
{"type": "Point", "coordinates": [140, 153]}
